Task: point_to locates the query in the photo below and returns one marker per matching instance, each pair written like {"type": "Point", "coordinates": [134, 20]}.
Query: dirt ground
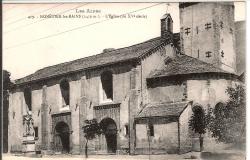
{"type": "Point", "coordinates": [223, 155]}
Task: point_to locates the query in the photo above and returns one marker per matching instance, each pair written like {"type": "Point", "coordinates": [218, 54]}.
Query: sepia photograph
{"type": "Point", "coordinates": [127, 80]}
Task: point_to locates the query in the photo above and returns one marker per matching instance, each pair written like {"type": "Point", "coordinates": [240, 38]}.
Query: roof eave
{"type": "Point", "coordinates": [173, 75]}
{"type": "Point", "coordinates": [75, 71]}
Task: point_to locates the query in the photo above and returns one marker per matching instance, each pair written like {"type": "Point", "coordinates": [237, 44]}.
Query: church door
{"type": "Point", "coordinates": [110, 130]}
{"type": "Point", "coordinates": [61, 137]}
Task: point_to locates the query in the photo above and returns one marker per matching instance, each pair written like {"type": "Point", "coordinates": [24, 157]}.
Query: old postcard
{"type": "Point", "coordinates": [155, 80]}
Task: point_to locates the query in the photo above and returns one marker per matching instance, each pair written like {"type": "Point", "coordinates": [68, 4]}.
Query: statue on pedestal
{"type": "Point", "coordinates": [29, 125]}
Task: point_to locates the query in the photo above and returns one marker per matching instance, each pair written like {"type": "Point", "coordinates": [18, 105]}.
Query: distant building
{"type": "Point", "coordinates": [145, 90]}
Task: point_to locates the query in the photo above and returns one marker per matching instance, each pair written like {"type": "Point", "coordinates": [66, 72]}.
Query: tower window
{"type": "Point", "coordinates": [222, 53]}
{"type": "Point", "coordinates": [197, 29]}
{"type": "Point", "coordinates": [64, 86]}
{"type": "Point", "coordinates": [107, 85]}
{"type": "Point", "coordinates": [208, 26]}
{"type": "Point", "coordinates": [27, 98]}
{"type": "Point", "coordinates": [151, 130]}
{"type": "Point", "coordinates": [231, 31]}
{"type": "Point", "coordinates": [221, 25]}
{"type": "Point", "coordinates": [208, 54]}
{"type": "Point", "coordinates": [187, 31]}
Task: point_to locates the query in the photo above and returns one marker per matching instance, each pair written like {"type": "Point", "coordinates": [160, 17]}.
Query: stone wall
{"type": "Point", "coordinates": [185, 133]}
{"type": "Point", "coordinates": [84, 94]}
{"type": "Point", "coordinates": [75, 94]}
{"type": "Point", "coordinates": [164, 141]}
{"type": "Point", "coordinates": [209, 91]}
{"type": "Point", "coordinates": [167, 90]}
{"type": "Point", "coordinates": [15, 122]}
{"type": "Point", "coordinates": [240, 44]}
{"type": "Point", "coordinates": [121, 94]}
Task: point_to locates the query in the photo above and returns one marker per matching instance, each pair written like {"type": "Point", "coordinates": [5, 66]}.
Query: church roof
{"type": "Point", "coordinates": [182, 65]}
{"type": "Point", "coordinates": [105, 58]}
{"type": "Point", "coordinates": [162, 109]}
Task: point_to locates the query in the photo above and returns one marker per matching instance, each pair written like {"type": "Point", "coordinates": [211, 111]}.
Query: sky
{"type": "Point", "coordinates": [32, 42]}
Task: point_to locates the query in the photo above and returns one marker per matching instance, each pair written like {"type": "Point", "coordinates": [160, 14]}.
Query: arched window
{"type": "Point", "coordinates": [167, 24]}
{"type": "Point", "coordinates": [198, 124]}
{"type": "Point", "coordinates": [219, 109]}
{"type": "Point", "coordinates": [64, 86]}
{"type": "Point", "coordinates": [197, 121]}
{"type": "Point", "coordinates": [107, 86]}
{"type": "Point", "coordinates": [27, 98]}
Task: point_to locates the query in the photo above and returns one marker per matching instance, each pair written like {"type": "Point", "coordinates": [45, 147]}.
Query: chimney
{"type": "Point", "coordinates": [166, 26]}
{"type": "Point", "coordinates": [108, 50]}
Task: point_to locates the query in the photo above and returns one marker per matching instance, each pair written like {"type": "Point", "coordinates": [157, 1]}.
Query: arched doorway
{"type": "Point", "coordinates": [109, 128]}
{"type": "Point", "coordinates": [198, 125]}
{"type": "Point", "coordinates": [61, 137]}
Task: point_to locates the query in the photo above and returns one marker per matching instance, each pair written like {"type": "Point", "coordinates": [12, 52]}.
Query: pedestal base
{"type": "Point", "coordinates": [29, 145]}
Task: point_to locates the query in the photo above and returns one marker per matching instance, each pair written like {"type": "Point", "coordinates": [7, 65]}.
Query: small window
{"type": "Point", "coordinates": [208, 26]}
{"type": "Point", "coordinates": [36, 132]}
{"type": "Point", "coordinates": [197, 29]}
{"type": "Point", "coordinates": [27, 98]}
{"type": "Point", "coordinates": [208, 54]}
{"type": "Point", "coordinates": [187, 30]}
{"type": "Point", "coordinates": [222, 53]}
{"type": "Point", "coordinates": [64, 86]}
{"type": "Point", "coordinates": [221, 25]}
{"type": "Point", "coordinates": [231, 30]}
{"type": "Point", "coordinates": [126, 130]}
{"type": "Point", "coordinates": [151, 130]}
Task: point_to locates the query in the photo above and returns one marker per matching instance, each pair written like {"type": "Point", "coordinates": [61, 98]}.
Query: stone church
{"type": "Point", "coordinates": [159, 81]}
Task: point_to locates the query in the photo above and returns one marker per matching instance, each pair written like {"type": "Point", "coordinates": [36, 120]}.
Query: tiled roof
{"type": "Point", "coordinates": [114, 56]}
{"type": "Point", "coordinates": [162, 109]}
{"type": "Point", "coordinates": [183, 64]}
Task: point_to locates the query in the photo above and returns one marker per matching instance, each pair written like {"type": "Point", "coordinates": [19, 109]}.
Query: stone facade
{"type": "Point", "coordinates": [117, 100]}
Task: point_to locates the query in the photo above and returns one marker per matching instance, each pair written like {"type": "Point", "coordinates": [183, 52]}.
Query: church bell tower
{"type": "Point", "coordinates": [166, 26]}
{"type": "Point", "coordinates": [207, 33]}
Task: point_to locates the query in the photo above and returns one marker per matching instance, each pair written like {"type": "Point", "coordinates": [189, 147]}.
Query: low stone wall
{"type": "Point", "coordinates": [164, 141]}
